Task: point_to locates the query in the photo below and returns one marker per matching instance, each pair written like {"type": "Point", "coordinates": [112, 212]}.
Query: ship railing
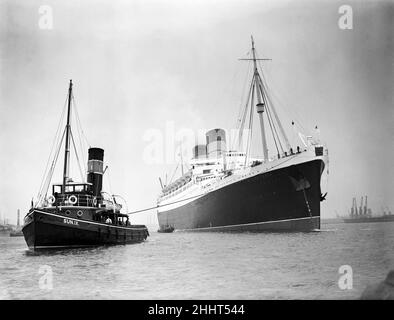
{"type": "Point", "coordinates": [78, 200]}
{"type": "Point", "coordinates": [178, 188]}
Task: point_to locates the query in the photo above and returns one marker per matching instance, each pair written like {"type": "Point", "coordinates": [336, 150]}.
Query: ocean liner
{"type": "Point", "coordinates": [228, 190]}
{"type": "Point", "coordinates": [77, 214]}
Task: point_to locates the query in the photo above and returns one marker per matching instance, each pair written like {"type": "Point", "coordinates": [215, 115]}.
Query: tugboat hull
{"type": "Point", "coordinates": [50, 230]}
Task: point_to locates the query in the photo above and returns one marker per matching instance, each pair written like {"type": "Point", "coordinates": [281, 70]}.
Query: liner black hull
{"type": "Point", "coordinates": [51, 231]}
{"type": "Point", "coordinates": [286, 199]}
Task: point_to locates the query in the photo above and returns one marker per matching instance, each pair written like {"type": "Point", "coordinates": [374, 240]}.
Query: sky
{"type": "Point", "coordinates": [154, 69]}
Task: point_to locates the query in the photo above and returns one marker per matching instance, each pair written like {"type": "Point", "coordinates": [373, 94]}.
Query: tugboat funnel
{"type": "Point", "coordinates": [95, 170]}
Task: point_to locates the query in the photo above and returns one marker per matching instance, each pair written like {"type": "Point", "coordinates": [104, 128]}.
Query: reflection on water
{"type": "Point", "coordinates": [204, 266]}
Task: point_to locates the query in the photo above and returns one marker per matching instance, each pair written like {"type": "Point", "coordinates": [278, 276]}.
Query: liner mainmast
{"type": "Point", "coordinates": [264, 105]}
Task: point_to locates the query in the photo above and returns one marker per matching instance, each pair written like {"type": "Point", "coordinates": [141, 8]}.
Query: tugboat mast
{"type": "Point", "coordinates": [67, 145]}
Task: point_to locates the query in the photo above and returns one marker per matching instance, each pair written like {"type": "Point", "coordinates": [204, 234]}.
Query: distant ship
{"type": "Point", "coordinates": [5, 227]}
{"type": "Point", "coordinates": [166, 229]}
{"type": "Point", "coordinates": [17, 232]}
{"type": "Point", "coordinates": [364, 214]}
{"type": "Point", "coordinates": [227, 190]}
{"type": "Point", "coordinates": [78, 214]}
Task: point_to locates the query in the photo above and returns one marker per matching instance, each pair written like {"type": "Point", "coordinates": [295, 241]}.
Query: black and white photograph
{"type": "Point", "coordinates": [210, 150]}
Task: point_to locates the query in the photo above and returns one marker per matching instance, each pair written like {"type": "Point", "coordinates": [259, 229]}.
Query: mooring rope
{"type": "Point", "coordinates": [167, 204]}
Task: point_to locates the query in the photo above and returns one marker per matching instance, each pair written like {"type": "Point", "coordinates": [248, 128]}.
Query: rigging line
{"type": "Point", "coordinates": [277, 134]}
{"type": "Point", "coordinates": [80, 141]}
{"type": "Point", "coordinates": [249, 142]}
{"type": "Point", "coordinates": [270, 119]}
{"type": "Point", "coordinates": [76, 155]}
{"type": "Point", "coordinates": [76, 111]}
{"type": "Point", "coordinates": [246, 109]}
{"type": "Point", "coordinates": [276, 131]}
{"type": "Point", "coordinates": [294, 114]}
{"type": "Point", "coordinates": [247, 75]}
{"type": "Point", "coordinates": [79, 120]}
{"type": "Point", "coordinates": [80, 133]}
{"type": "Point", "coordinates": [273, 131]}
{"type": "Point", "coordinates": [82, 147]}
{"type": "Point", "coordinates": [241, 108]}
{"type": "Point", "coordinates": [282, 131]}
{"type": "Point", "coordinates": [251, 121]}
{"type": "Point", "coordinates": [174, 173]}
{"type": "Point", "coordinates": [84, 162]}
{"type": "Point", "coordinates": [264, 84]}
{"type": "Point", "coordinates": [247, 103]}
{"type": "Point", "coordinates": [50, 173]}
{"type": "Point", "coordinates": [52, 147]}
{"type": "Point", "coordinates": [293, 111]}
{"type": "Point", "coordinates": [297, 127]}
{"type": "Point", "coordinates": [47, 172]}
{"type": "Point", "coordinates": [83, 140]}
{"type": "Point", "coordinates": [245, 112]}
{"type": "Point", "coordinates": [268, 113]}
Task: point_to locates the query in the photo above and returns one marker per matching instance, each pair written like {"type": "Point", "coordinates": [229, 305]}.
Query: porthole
{"type": "Point", "coordinates": [68, 212]}
{"type": "Point", "coordinates": [79, 213]}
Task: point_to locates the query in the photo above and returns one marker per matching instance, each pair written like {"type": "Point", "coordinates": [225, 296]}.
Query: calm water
{"type": "Point", "coordinates": [206, 266]}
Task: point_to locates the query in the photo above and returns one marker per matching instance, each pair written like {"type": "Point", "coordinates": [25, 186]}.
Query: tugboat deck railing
{"type": "Point", "coordinates": [78, 200]}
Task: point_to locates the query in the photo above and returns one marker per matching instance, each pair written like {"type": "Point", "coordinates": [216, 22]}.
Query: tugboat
{"type": "Point", "coordinates": [78, 214]}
